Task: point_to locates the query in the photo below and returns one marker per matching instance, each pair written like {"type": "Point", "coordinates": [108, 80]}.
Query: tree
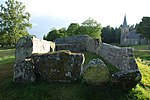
{"type": "Point", "coordinates": [73, 29]}
{"type": "Point", "coordinates": [53, 34]}
{"type": "Point", "coordinates": [111, 35]}
{"type": "Point", "coordinates": [144, 28]}
{"type": "Point", "coordinates": [91, 27]}
{"type": "Point", "coordinates": [117, 34]}
{"type": "Point", "coordinates": [63, 32]}
{"type": "Point", "coordinates": [44, 37]}
{"type": "Point", "coordinates": [108, 34]}
{"type": "Point", "coordinates": [14, 20]}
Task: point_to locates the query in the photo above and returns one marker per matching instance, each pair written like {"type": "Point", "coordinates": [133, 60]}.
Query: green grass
{"type": "Point", "coordinates": [143, 56]}
{"type": "Point", "coordinates": [142, 90]}
{"type": "Point", "coordinates": [6, 56]}
{"type": "Point", "coordinates": [71, 91]}
{"type": "Point", "coordinates": [141, 47]}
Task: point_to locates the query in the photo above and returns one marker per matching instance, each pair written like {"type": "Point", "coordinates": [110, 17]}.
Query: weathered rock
{"type": "Point", "coordinates": [92, 45]}
{"type": "Point", "coordinates": [96, 72]}
{"type": "Point", "coordinates": [126, 79]}
{"type": "Point", "coordinates": [59, 66]}
{"type": "Point", "coordinates": [78, 43]}
{"type": "Point", "coordinates": [24, 72]}
{"type": "Point", "coordinates": [71, 47]}
{"type": "Point", "coordinates": [28, 45]}
{"type": "Point", "coordinates": [122, 58]}
{"type": "Point", "coordinates": [77, 39]}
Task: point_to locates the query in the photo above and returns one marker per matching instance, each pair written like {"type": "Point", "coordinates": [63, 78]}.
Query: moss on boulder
{"type": "Point", "coordinates": [96, 72]}
{"type": "Point", "coordinates": [62, 66]}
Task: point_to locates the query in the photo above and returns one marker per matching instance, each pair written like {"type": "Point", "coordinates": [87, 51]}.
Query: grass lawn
{"type": "Point", "coordinates": [72, 91]}
{"type": "Point", "coordinates": [142, 53]}
{"type": "Point", "coordinates": [141, 47]}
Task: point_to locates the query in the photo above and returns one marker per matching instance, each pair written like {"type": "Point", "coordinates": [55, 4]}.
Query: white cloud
{"type": "Point", "coordinates": [105, 11]}
{"type": "Point", "coordinates": [46, 14]}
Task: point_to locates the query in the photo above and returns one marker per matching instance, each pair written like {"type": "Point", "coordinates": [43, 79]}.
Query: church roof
{"type": "Point", "coordinates": [131, 35]}
{"type": "Point", "coordinates": [125, 22]}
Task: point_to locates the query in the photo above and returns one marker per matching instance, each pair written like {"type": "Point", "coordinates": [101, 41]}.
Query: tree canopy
{"type": "Point", "coordinates": [73, 29]}
{"type": "Point", "coordinates": [14, 21]}
{"type": "Point", "coordinates": [144, 27]}
{"type": "Point", "coordinates": [111, 35]}
{"type": "Point", "coordinates": [54, 34]}
{"type": "Point", "coordinates": [89, 27]}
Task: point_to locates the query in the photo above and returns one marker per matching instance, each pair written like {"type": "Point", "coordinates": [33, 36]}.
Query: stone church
{"type": "Point", "coordinates": [129, 36]}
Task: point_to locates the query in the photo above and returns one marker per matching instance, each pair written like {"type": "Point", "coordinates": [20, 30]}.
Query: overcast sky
{"type": "Point", "coordinates": [46, 14]}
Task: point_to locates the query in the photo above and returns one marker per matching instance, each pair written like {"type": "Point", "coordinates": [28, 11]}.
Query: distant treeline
{"type": "Point", "coordinates": [89, 27]}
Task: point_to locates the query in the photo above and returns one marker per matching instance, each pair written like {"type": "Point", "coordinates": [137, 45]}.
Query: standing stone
{"type": "Point", "coordinates": [24, 72]}
{"type": "Point", "coordinates": [92, 45]}
{"type": "Point", "coordinates": [61, 66]}
{"type": "Point", "coordinates": [25, 47]}
{"type": "Point", "coordinates": [28, 45]}
{"type": "Point", "coordinates": [96, 72]}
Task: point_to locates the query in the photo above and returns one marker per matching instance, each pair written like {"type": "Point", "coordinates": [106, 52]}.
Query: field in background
{"type": "Point", "coordinates": [72, 91]}
{"type": "Point", "coordinates": [142, 53]}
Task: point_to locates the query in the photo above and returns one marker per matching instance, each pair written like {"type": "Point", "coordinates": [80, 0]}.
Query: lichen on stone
{"type": "Point", "coordinates": [96, 72]}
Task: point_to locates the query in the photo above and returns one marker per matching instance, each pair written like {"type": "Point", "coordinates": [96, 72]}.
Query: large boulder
{"type": "Point", "coordinates": [96, 73]}
{"type": "Point", "coordinates": [28, 45]}
{"type": "Point", "coordinates": [25, 47]}
{"type": "Point", "coordinates": [78, 43]}
{"type": "Point", "coordinates": [61, 66]}
{"type": "Point", "coordinates": [73, 43]}
{"type": "Point", "coordinates": [126, 79]}
{"type": "Point", "coordinates": [71, 47]}
{"type": "Point", "coordinates": [120, 57]}
{"type": "Point", "coordinates": [24, 71]}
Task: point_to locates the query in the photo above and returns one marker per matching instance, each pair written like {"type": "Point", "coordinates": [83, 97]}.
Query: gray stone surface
{"type": "Point", "coordinates": [71, 47]}
{"type": "Point", "coordinates": [27, 45]}
{"type": "Point", "coordinates": [34, 62]}
{"type": "Point", "coordinates": [122, 58]}
{"type": "Point", "coordinates": [79, 43]}
{"type": "Point", "coordinates": [24, 72]}
{"type": "Point", "coordinates": [92, 45]}
{"type": "Point", "coordinates": [72, 39]}
{"type": "Point", "coordinates": [24, 48]}
{"type": "Point", "coordinates": [96, 73]}
{"type": "Point", "coordinates": [126, 79]}
{"type": "Point", "coordinates": [59, 66]}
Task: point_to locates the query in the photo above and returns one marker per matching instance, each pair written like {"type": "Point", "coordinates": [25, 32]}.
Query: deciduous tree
{"type": "Point", "coordinates": [73, 29]}
{"type": "Point", "coordinates": [14, 20]}
{"type": "Point", "coordinates": [91, 27]}
{"type": "Point", "coordinates": [144, 28]}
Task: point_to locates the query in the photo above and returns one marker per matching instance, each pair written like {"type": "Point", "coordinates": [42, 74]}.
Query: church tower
{"type": "Point", "coordinates": [124, 30]}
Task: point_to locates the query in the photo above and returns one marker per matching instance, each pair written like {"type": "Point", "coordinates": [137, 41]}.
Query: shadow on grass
{"type": "Point", "coordinates": [62, 91]}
